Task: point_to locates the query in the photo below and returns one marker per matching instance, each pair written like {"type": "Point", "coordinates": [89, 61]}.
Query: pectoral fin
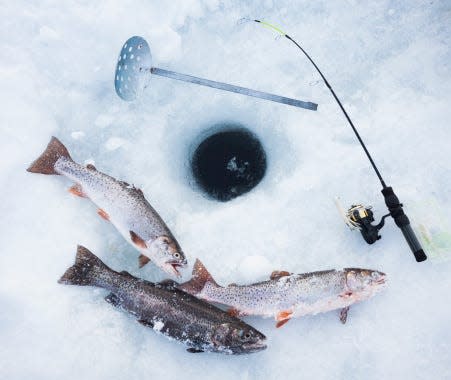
{"type": "Point", "coordinates": [194, 350]}
{"type": "Point", "coordinates": [278, 274]}
{"type": "Point", "coordinates": [113, 299]}
{"type": "Point", "coordinates": [283, 317]}
{"type": "Point", "coordinates": [233, 312]}
{"type": "Point", "coordinates": [143, 260]}
{"type": "Point", "coordinates": [146, 323]}
{"type": "Point", "coordinates": [138, 240]}
{"type": "Point", "coordinates": [344, 314]}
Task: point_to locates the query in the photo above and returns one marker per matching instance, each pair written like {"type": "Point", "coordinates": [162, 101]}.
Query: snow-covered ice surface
{"type": "Point", "coordinates": [390, 64]}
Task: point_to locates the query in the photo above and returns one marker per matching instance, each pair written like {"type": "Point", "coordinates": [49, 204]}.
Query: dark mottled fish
{"type": "Point", "coordinates": [120, 203]}
{"type": "Point", "coordinates": [288, 295]}
{"type": "Point", "coordinates": [166, 309]}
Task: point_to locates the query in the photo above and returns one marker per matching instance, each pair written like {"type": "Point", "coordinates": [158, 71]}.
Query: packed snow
{"type": "Point", "coordinates": [390, 64]}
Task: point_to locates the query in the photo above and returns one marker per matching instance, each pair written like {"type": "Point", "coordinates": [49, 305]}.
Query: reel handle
{"type": "Point", "coordinates": [403, 222]}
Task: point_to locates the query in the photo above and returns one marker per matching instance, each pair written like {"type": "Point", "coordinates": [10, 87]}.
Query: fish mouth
{"type": "Point", "coordinates": [254, 347]}
{"type": "Point", "coordinates": [173, 266]}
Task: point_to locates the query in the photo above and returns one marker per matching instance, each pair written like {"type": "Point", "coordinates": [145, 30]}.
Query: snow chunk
{"type": "Point", "coordinates": [77, 135]}
{"type": "Point", "coordinates": [103, 121]}
{"type": "Point", "coordinates": [158, 326]}
{"type": "Point", "coordinates": [114, 143]}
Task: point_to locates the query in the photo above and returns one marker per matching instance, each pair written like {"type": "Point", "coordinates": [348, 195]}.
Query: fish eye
{"type": "Point", "coordinates": [177, 255]}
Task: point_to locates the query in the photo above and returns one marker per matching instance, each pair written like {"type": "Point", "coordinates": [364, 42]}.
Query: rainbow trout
{"type": "Point", "coordinates": [288, 295]}
{"type": "Point", "coordinates": [120, 203]}
{"type": "Point", "coordinates": [169, 311]}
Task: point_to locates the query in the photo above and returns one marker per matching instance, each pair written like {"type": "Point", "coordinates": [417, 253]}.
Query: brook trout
{"type": "Point", "coordinates": [120, 203]}
{"type": "Point", "coordinates": [288, 295]}
{"type": "Point", "coordinates": [169, 311]}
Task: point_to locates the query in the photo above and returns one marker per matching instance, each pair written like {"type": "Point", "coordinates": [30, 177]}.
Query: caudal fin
{"type": "Point", "coordinates": [86, 269]}
{"type": "Point", "coordinates": [45, 164]}
{"type": "Point", "coordinates": [199, 278]}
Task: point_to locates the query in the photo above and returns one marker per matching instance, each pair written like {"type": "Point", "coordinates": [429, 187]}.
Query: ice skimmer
{"type": "Point", "coordinates": [134, 68]}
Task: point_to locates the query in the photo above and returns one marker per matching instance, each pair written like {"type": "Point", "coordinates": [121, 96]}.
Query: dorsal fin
{"type": "Point", "coordinates": [90, 167]}
{"type": "Point", "coordinates": [278, 274]}
{"type": "Point", "coordinates": [200, 277]}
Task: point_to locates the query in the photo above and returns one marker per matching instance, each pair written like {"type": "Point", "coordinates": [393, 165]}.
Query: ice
{"type": "Point", "coordinates": [389, 62]}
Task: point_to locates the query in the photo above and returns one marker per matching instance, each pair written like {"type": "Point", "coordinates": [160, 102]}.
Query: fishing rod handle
{"type": "Point", "coordinates": [403, 222]}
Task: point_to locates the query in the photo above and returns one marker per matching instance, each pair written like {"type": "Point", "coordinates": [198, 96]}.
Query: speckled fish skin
{"type": "Point", "coordinates": [290, 294]}
{"type": "Point", "coordinates": [169, 311]}
{"type": "Point", "coordinates": [120, 203]}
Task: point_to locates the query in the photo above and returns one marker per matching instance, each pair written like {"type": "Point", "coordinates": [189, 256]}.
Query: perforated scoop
{"type": "Point", "coordinates": [134, 68]}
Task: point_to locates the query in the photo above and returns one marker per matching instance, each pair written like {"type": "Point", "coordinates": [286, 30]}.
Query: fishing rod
{"type": "Point", "coordinates": [359, 216]}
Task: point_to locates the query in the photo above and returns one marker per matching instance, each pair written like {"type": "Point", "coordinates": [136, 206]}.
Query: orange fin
{"type": "Point", "coordinates": [233, 312]}
{"type": "Point", "coordinates": [278, 274]}
{"type": "Point", "coordinates": [103, 214]}
{"type": "Point", "coordinates": [283, 317]}
{"type": "Point", "coordinates": [282, 322]}
{"type": "Point", "coordinates": [137, 240]}
{"type": "Point", "coordinates": [344, 314]}
{"type": "Point", "coordinates": [200, 277]}
{"type": "Point", "coordinates": [143, 260]}
{"type": "Point", "coordinates": [77, 190]}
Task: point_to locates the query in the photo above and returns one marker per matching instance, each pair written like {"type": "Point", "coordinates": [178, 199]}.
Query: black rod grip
{"type": "Point", "coordinates": [402, 221]}
{"type": "Point", "coordinates": [413, 242]}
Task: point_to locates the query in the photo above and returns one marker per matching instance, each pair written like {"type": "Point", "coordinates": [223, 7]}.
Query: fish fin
{"type": "Point", "coordinates": [281, 323]}
{"type": "Point", "coordinates": [138, 241]}
{"type": "Point", "coordinates": [232, 285]}
{"type": "Point", "coordinates": [103, 214]}
{"type": "Point", "coordinates": [346, 294]}
{"type": "Point", "coordinates": [199, 278]}
{"type": "Point", "coordinates": [113, 299]}
{"type": "Point", "coordinates": [283, 317]}
{"type": "Point", "coordinates": [344, 314]}
{"type": "Point", "coordinates": [278, 274]}
{"type": "Point", "coordinates": [91, 167]}
{"type": "Point", "coordinates": [143, 260]}
{"type": "Point", "coordinates": [86, 269]}
{"type": "Point", "coordinates": [234, 312]}
{"type": "Point", "coordinates": [146, 323]}
{"type": "Point", "coordinates": [194, 350]}
{"type": "Point", "coordinates": [77, 190]}
{"type": "Point", "coordinates": [125, 273]}
{"type": "Point", "coordinates": [45, 163]}
{"type": "Point", "coordinates": [168, 284]}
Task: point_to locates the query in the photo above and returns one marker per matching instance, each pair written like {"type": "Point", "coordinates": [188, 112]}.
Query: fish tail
{"type": "Point", "coordinates": [45, 164]}
{"type": "Point", "coordinates": [86, 269]}
{"type": "Point", "coordinates": [199, 278]}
